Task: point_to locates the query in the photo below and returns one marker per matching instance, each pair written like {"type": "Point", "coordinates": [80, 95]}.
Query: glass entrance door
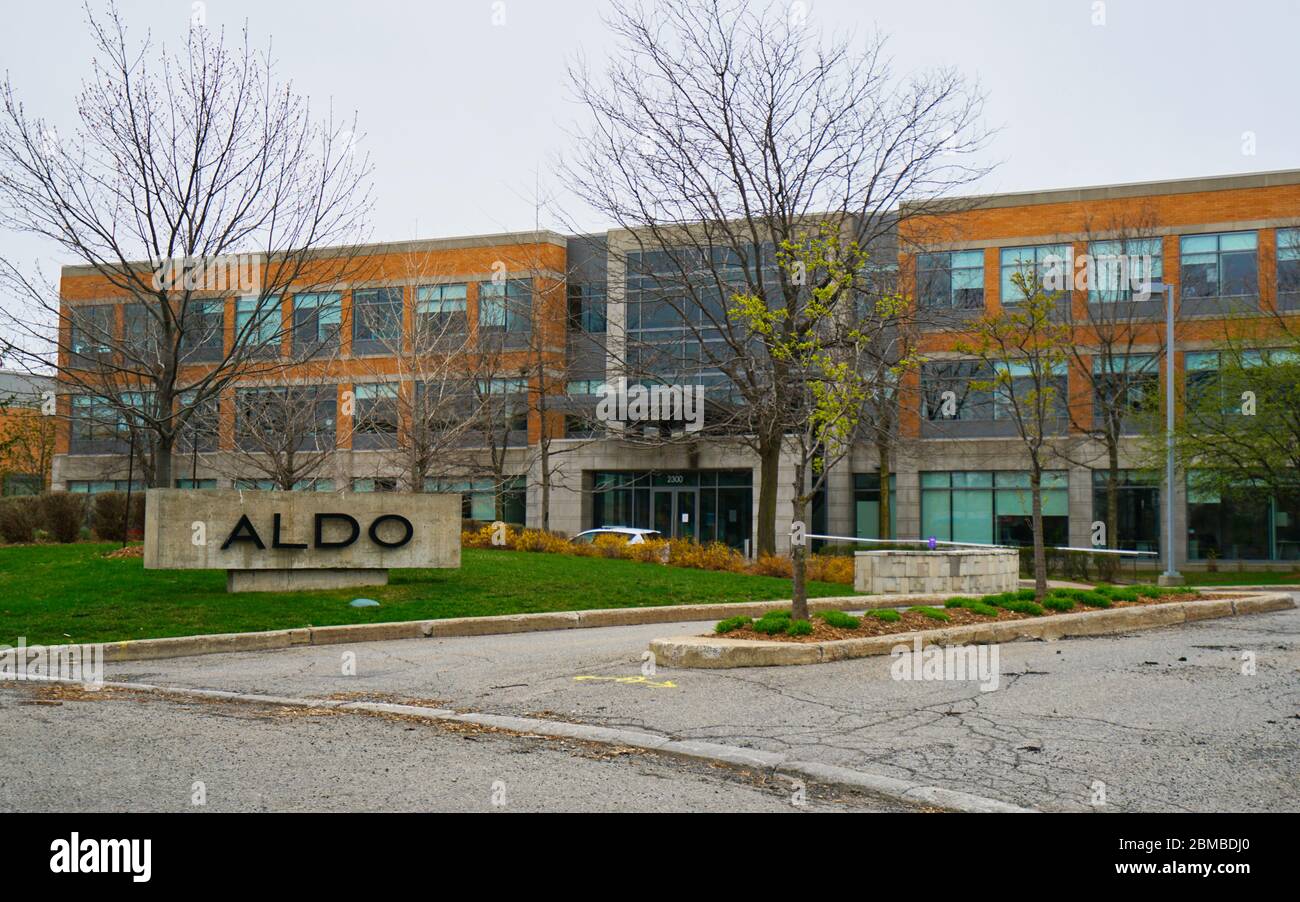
{"type": "Point", "coordinates": [674, 512]}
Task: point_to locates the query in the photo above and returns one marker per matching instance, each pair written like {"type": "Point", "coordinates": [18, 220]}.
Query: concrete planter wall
{"type": "Point", "coordinates": [982, 571]}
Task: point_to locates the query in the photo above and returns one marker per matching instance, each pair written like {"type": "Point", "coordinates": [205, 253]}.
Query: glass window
{"type": "Point", "coordinates": [375, 415]}
{"type": "Point", "coordinates": [1121, 268]}
{"type": "Point", "coordinates": [1125, 385]}
{"type": "Point", "coordinates": [91, 328]}
{"type": "Point", "coordinates": [388, 484]}
{"type": "Point", "coordinates": [954, 279]}
{"type": "Point", "coordinates": [986, 508]}
{"type": "Point", "coordinates": [1223, 265]}
{"type": "Point", "coordinates": [204, 337]}
{"type": "Point", "coordinates": [376, 319]}
{"type": "Point", "coordinates": [440, 309]}
{"type": "Point", "coordinates": [1045, 265]}
{"type": "Point", "coordinates": [317, 319]}
{"type": "Point", "coordinates": [1288, 261]}
{"type": "Point", "coordinates": [257, 321]}
{"type": "Point", "coordinates": [505, 306]}
{"type": "Point", "coordinates": [1138, 497]}
{"type": "Point", "coordinates": [587, 307]}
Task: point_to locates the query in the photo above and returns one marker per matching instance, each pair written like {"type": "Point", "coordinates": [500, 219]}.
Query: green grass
{"type": "Point", "coordinates": [886, 614]}
{"type": "Point", "coordinates": [932, 613]}
{"type": "Point", "coordinates": [732, 623]}
{"type": "Point", "coordinates": [1232, 577]}
{"type": "Point", "coordinates": [70, 593]}
{"type": "Point", "coordinates": [840, 620]}
{"type": "Point", "coordinates": [799, 628]}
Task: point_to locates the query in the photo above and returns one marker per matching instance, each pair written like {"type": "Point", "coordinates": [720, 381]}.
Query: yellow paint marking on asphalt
{"type": "Point", "coordinates": [638, 680]}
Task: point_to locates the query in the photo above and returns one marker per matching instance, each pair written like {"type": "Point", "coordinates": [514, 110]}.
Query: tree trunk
{"type": "Point", "coordinates": [883, 525]}
{"type": "Point", "coordinates": [1112, 498]}
{"type": "Point", "coordinates": [162, 461]}
{"type": "Point", "coordinates": [1040, 554]}
{"type": "Point", "coordinates": [769, 455]}
{"type": "Point", "coordinates": [799, 564]}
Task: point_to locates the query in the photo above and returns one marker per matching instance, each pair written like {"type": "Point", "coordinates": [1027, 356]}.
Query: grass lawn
{"type": "Point", "coordinates": [71, 593]}
{"type": "Point", "coordinates": [1229, 578]}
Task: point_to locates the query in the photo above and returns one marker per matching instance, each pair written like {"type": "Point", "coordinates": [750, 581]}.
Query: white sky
{"type": "Point", "coordinates": [459, 113]}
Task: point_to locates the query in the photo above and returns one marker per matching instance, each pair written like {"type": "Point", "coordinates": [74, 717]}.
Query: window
{"type": "Point", "coordinates": [22, 484]}
{"type": "Point", "coordinates": [257, 322]}
{"type": "Point", "coordinates": [376, 416]}
{"type": "Point", "coordinates": [505, 306]}
{"type": "Point", "coordinates": [580, 387]}
{"type": "Point", "coordinates": [1139, 509]}
{"type": "Point", "coordinates": [374, 485]}
{"type": "Point", "coordinates": [196, 483]}
{"type": "Point", "coordinates": [316, 322]}
{"type": "Point", "coordinates": [1223, 265]}
{"type": "Point", "coordinates": [140, 334]}
{"type": "Point", "coordinates": [993, 508]}
{"type": "Point", "coordinates": [204, 336]}
{"type": "Point", "coordinates": [97, 487]}
{"type": "Point", "coordinates": [479, 498]}
{"type": "Point", "coordinates": [1242, 523]}
{"type": "Point", "coordinates": [1288, 261]}
{"type": "Point", "coordinates": [1122, 268]}
{"type": "Point", "coordinates": [1044, 265]}
{"type": "Point", "coordinates": [301, 416]}
{"type": "Point", "coordinates": [200, 432]}
{"type": "Point", "coordinates": [587, 307]}
{"type": "Point", "coordinates": [966, 403]}
{"type": "Point", "coordinates": [1125, 386]}
{"type": "Point", "coordinates": [440, 310]}
{"type": "Point", "coordinates": [954, 280]}
{"type": "Point", "coordinates": [866, 506]}
{"type": "Point", "coordinates": [1016, 384]}
{"type": "Point", "coordinates": [91, 333]}
{"type": "Point", "coordinates": [98, 426]}
{"type": "Point", "coordinates": [269, 485]}
{"type": "Point", "coordinates": [376, 320]}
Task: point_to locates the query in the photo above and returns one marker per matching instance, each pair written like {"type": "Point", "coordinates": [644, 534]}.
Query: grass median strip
{"type": "Point", "coordinates": [73, 593]}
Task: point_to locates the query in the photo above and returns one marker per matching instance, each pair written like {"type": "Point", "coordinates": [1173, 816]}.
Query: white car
{"type": "Point", "coordinates": [633, 535]}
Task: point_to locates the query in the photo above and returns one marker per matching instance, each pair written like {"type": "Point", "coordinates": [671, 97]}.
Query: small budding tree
{"type": "Point", "coordinates": [1024, 348]}
{"type": "Point", "coordinates": [820, 352]}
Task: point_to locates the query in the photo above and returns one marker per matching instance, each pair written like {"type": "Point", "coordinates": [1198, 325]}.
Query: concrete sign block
{"type": "Point", "coordinates": [281, 541]}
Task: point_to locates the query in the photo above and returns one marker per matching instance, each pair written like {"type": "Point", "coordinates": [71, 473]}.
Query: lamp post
{"type": "Point", "coordinates": [1171, 576]}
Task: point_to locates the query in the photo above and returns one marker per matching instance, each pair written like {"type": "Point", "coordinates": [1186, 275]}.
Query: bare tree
{"type": "Point", "coordinates": [715, 132]}
{"type": "Point", "coordinates": [1022, 352]}
{"type": "Point", "coordinates": [284, 433]}
{"type": "Point", "coordinates": [191, 177]}
{"type": "Point", "coordinates": [1122, 342]}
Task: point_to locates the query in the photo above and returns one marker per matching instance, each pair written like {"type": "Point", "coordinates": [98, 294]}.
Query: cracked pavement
{"type": "Point", "coordinates": [1164, 718]}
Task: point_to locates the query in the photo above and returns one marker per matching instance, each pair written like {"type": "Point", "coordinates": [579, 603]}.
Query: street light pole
{"type": "Point", "coordinates": [1171, 576]}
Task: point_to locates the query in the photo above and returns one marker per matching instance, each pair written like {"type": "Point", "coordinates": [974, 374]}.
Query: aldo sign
{"type": "Point", "coordinates": [282, 541]}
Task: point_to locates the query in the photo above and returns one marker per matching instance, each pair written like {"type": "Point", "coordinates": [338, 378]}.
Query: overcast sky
{"type": "Point", "coordinates": [460, 112]}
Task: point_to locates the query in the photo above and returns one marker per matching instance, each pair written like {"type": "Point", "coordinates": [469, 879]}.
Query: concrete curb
{"type": "Point", "coordinates": [710, 652]}
{"type": "Point", "coordinates": [272, 640]}
{"type": "Point", "coordinates": [906, 791]}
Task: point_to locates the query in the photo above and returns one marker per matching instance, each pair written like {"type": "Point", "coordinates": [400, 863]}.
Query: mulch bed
{"type": "Point", "coordinates": [128, 551]}
{"type": "Point", "coordinates": [914, 620]}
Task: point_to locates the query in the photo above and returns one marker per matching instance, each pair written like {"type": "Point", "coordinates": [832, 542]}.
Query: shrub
{"type": "Point", "coordinates": [609, 546]}
{"type": "Point", "coordinates": [885, 614]}
{"type": "Point", "coordinates": [999, 601]}
{"type": "Point", "coordinates": [831, 568]}
{"type": "Point", "coordinates": [1147, 591]}
{"type": "Point", "coordinates": [984, 610]}
{"type": "Point", "coordinates": [732, 623]}
{"type": "Point", "coordinates": [1058, 603]}
{"type": "Point", "coordinates": [959, 601]}
{"type": "Point", "coordinates": [19, 518]}
{"type": "Point", "coordinates": [1115, 593]}
{"type": "Point", "coordinates": [1025, 594]}
{"type": "Point", "coordinates": [799, 628]}
{"type": "Point", "coordinates": [62, 515]}
{"type": "Point", "coordinates": [772, 565]}
{"type": "Point", "coordinates": [932, 613]}
{"type": "Point", "coordinates": [770, 627]}
{"type": "Point", "coordinates": [776, 615]}
{"type": "Point", "coordinates": [108, 515]}
{"type": "Point", "coordinates": [1091, 599]}
{"type": "Point", "coordinates": [840, 620]}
